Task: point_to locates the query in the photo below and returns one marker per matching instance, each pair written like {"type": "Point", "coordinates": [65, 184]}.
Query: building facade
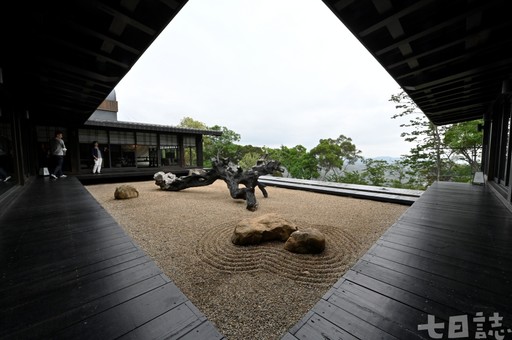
{"type": "Point", "coordinates": [125, 145]}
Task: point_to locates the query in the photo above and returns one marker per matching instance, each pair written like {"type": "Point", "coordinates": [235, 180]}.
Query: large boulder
{"type": "Point", "coordinates": [125, 191]}
{"type": "Point", "coordinates": [269, 227]}
{"type": "Point", "coordinates": [306, 241]}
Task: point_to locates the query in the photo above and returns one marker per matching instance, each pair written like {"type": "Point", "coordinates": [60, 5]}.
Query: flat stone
{"type": "Point", "coordinates": [268, 227]}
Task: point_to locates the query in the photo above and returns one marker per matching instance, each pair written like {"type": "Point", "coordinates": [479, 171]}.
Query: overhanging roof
{"type": "Point", "coordinates": [450, 56]}
{"type": "Point", "coordinates": [150, 127]}
{"type": "Point", "coordinates": [61, 59]}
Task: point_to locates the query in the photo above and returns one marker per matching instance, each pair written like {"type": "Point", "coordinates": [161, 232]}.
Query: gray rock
{"type": "Point", "coordinates": [125, 191]}
{"type": "Point", "coordinates": [269, 227]}
{"type": "Point", "coordinates": [307, 241]}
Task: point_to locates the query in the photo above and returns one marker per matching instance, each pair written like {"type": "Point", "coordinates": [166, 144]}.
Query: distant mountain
{"type": "Point", "coordinates": [388, 159]}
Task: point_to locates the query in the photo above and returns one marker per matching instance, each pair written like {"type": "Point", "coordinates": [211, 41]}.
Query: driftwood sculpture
{"type": "Point", "coordinates": [232, 174]}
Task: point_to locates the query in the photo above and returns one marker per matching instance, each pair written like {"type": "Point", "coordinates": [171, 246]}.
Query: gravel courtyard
{"type": "Point", "coordinates": [251, 292]}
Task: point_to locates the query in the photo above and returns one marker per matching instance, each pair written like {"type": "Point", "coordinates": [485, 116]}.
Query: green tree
{"type": "Point", "coordinates": [460, 173]}
{"type": "Point", "coordinates": [297, 160]}
{"type": "Point", "coordinates": [190, 155]}
{"type": "Point", "coordinates": [188, 122]}
{"type": "Point", "coordinates": [465, 141]}
{"type": "Point", "coordinates": [216, 146]}
{"type": "Point", "coordinates": [249, 160]}
{"type": "Point", "coordinates": [375, 171]}
{"type": "Point", "coordinates": [404, 174]}
{"type": "Point", "coordinates": [334, 155]}
{"type": "Point", "coordinates": [223, 145]}
{"type": "Point", "coordinates": [428, 154]}
{"type": "Point", "coordinates": [438, 150]}
{"type": "Point", "coordinates": [351, 177]}
{"type": "Point", "coordinates": [243, 150]}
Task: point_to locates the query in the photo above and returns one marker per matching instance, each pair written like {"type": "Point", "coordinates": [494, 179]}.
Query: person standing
{"type": "Point", "coordinates": [4, 177]}
{"type": "Point", "coordinates": [4, 160]}
{"type": "Point", "coordinates": [57, 152]}
{"type": "Point", "coordinates": [98, 158]}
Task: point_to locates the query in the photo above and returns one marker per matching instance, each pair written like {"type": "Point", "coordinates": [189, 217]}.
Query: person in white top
{"type": "Point", "coordinates": [98, 159]}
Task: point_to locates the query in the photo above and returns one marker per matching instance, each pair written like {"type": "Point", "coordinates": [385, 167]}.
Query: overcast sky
{"type": "Point", "coordinates": [278, 72]}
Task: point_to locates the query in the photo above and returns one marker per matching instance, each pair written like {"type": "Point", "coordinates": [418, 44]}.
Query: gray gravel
{"type": "Point", "coordinates": [255, 292]}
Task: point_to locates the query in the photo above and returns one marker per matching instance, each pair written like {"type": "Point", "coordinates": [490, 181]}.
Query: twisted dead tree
{"type": "Point", "coordinates": [232, 174]}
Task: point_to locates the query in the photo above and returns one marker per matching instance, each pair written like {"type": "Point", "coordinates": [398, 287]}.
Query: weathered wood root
{"type": "Point", "coordinates": [230, 173]}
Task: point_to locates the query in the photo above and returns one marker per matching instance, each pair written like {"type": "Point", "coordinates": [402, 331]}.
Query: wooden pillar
{"type": "Point", "coordinates": [18, 146]}
{"type": "Point", "coordinates": [199, 150]}
{"type": "Point", "coordinates": [181, 148]}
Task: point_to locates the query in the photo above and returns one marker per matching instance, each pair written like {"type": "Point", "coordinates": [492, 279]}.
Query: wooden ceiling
{"type": "Point", "coordinates": [60, 59]}
{"type": "Point", "coordinates": [450, 56]}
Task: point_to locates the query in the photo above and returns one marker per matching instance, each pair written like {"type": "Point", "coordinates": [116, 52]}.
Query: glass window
{"type": "Point", "coordinates": [89, 136]}
{"type": "Point", "coordinates": [122, 137]}
{"type": "Point", "coordinates": [189, 143]}
{"type": "Point", "coordinates": [122, 149]}
{"type": "Point", "coordinates": [169, 150]}
{"type": "Point", "coordinates": [122, 155]}
{"type": "Point", "coordinates": [45, 133]}
{"type": "Point", "coordinates": [146, 150]}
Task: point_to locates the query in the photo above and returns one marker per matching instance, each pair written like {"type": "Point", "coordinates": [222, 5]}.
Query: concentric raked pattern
{"type": "Point", "coordinates": [216, 249]}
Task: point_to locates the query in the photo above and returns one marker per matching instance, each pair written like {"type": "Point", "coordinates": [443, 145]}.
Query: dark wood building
{"type": "Point", "coordinates": [446, 261]}
{"type": "Point", "coordinates": [126, 146]}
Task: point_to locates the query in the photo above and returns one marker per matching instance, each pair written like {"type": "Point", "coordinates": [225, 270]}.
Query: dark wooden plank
{"type": "Point", "coordinates": [48, 327]}
{"type": "Point", "coordinates": [201, 332]}
{"type": "Point", "coordinates": [459, 237]}
{"type": "Point", "coordinates": [351, 324]}
{"type": "Point", "coordinates": [28, 272]}
{"type": "Point", "coordinates": [316, 327]}
{"type": "Point", "coordinates": [487, 260]}
{"type": "Point", "coordinates": [448, 255]}
{"type": "Point", "coordinates": [288, 336]}
{"type": "Point", "coordinates": [25, 288]}
{"type": "Point", "coordinates": [379, 310]}
{"type": "Point", "coordinates": [127, 316]}
{"type": "Point", "coordinates": [444, 290]}
{"type": "Point", "coordinates": [186, 323]}
{"type": "Point", "coordinates": [68, 270]}
{"type": "Point", "coordinates": [35, 256]}
{"type": "Point", "coordinates": [419, 302]}
{"type": "Point", "coordinates": [71, 294]}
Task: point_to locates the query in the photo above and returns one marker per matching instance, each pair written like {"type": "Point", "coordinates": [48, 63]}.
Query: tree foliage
{"type": "Point", "coordinates": [188, 122]}
{"type": "Point", "coordinates": [215, 146]}
{"type": "Point", "coordinates": [298, 162]}
{"type": "Point", "coordinates": [465, 140]}
{"type": "Point", "coordinates": [437, 150]}
{"type": "Point", "coordinates": [334, 155]}
{"type": "Point", "coordinates": [223, 145]}
{"type": "Point", "coordinates": [376, 171]}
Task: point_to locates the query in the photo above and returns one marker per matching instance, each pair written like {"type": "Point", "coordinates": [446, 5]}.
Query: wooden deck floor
{"type": "Point", "coordinates": [449, 256]}
{"type": "Point", "coordinates": [68, 271]}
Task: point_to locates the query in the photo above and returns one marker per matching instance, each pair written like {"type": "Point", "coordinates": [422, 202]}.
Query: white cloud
{"type": "Point", "coordinates": [283, 72]}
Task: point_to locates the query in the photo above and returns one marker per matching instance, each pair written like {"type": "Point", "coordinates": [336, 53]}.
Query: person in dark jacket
{"type": "Point", "coordinates": [57, 153]}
